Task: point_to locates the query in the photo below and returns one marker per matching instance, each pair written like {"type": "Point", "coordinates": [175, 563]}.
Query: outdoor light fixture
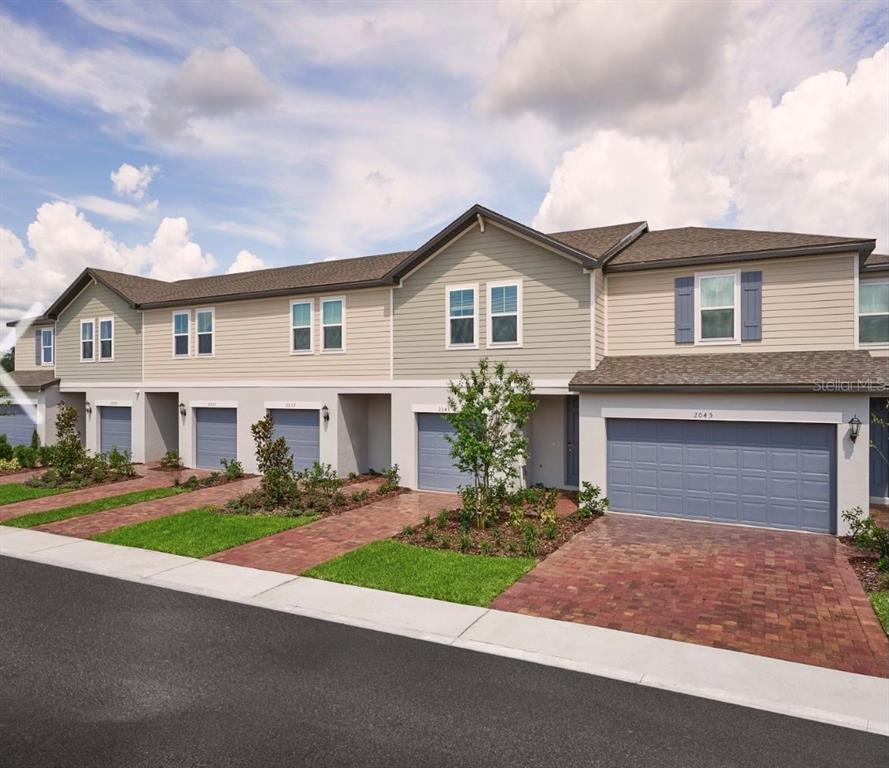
{"type": "Point", "coordinates": [325, 413]}
{"type": "Point", "coordinates": [855, 428]}
{"type": "Point", "coordinates": [88, 408]}
{"type": "Point", "coordinates": [182, 409]}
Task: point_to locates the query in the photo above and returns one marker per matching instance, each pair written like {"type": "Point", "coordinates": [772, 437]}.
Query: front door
{"type": "Point", "coordinates": [572, 440]}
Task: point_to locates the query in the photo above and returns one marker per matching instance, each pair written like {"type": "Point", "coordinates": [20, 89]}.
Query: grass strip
{"type": "Point", "coordinates": [13, 492]}
{"type": "Point", "coordinates": [409, 570]}
{"type": "Point", "coordinates": [880, 602]}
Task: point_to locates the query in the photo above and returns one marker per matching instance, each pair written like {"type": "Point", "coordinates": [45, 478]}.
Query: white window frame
{"type": "Point", "coordinates": [187, 334]}
{"type": "Point", "coordinates": [93, 341]}
{"type": "Point", "coordinates": [859, 314]}
{"type": "Point", "coordinates": [52, 350]}
{"type": "Point", "coordinates": [490, 314]}
{"type": "Point", "coordinates": [461, 287]}
{"type": "Point", "coordinates": [736, 337]}
{"type": "Point", "coordinates": [197, 334]}
{"type": "Point", "coordinates": [99, 357]}
{"type": "Point", "coordinates": [342, 324]}
{"type": "Point", "coordinates": [311, 349]}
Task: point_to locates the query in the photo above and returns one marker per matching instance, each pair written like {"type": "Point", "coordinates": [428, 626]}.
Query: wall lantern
{"type": "Point", "coordinates": [182, 409]}
{"type": "Point", "coordinates": [325, 413]}
{"type": "Point", "coordinates": [855, 428]}
{"type": "Point", "coordinates": [88, 408]}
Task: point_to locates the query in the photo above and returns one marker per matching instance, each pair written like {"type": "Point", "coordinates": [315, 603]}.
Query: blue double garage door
{"type": "Point", "coordinates": [216, 435]}
{"type": "Point", "coordinates": [768, 474]}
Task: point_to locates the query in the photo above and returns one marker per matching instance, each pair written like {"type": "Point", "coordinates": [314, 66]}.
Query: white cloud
{"type": "Point", "coordinates": [130, 181]}
{"type": "Point", "coordinates": [816, 161]}
{"type": "Point", "coordinates": [61, 242]}
{"type": "Point", "coordinates": [254, 232]}
{"type": "Point", "coordinates": [111, 209]}
{"type": "Point", "coordinates": [245, 262]}
{"type": "Point", "coordinates": [209, 84]}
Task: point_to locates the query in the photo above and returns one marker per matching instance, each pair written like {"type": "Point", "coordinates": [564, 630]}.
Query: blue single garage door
{"type": "Point", "coordinates": [301, 430]}
{"type": "Point", "coordinates": [216, 436]}
{"type": "Point", "coordinates": [436, 470]}
{"type": "Point", "coordinates": [115, 428]}
{"type": "Point", "coordinates": [16, 425]}
{"type": "Point", "coordinates": [775, 475]}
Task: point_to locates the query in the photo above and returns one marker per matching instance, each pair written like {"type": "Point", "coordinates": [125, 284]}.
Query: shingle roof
{"type": "Point", "coordinates": [665, 245]}
{"type": "Point", "coordinates": [877, 262]}
{"type": "Point", "coordinates": [39, 379]}
{"type": "Point", "coordinates": [845, 370]}
{"type": "Point", "coordinates": [596, 241]}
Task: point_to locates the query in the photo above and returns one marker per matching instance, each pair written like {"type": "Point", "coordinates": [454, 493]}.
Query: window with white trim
{"type": "Point", "coordinates": [301, 326]}
{"type": "Point", "coordinates": [332, 325]}
{"type": "Point", "coordinates": [504, 314]}
{"type": "Point", "coordinates": [181, 333]}
{"type": "Point", "coordinates": [873, 312]}
{"type": "Point", "coordinates": [106, 338]}
{"type": "Point", "coordinates": [205, 320]}
{"type": "Point", "coordinates": [87, 341]}
{"type": "Point", "coordinates": [46, 339]}
{"type": "Point", "coordinates": [462, 316]}
{"type": "Point", "coordinates": [717, 307]}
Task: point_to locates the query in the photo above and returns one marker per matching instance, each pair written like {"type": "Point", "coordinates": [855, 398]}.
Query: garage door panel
{"type": "Point", "coordinates": [435, 467]}
{"type": "Point", "coordinates": [216, 436]}
{"type": "Point", "coordinates": [16, 424]}
{"type": "Point", "coordinates": [115, 428]}
{"type": "Point", "coordinates": [301, 430]}
{"type": "Point", "coordinates": [768, 474]}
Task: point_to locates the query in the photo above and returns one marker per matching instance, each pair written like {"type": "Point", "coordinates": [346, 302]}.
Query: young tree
{"type": "Point", "coordinates": [489, 410]}
{"type": "Point", "coordinates": [68, 452]}
{"type": "Point", "coordinates": [274, 460]}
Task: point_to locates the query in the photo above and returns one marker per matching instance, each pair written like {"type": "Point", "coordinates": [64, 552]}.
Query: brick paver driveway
{"type": "Point", "coordinates": [299, 549]}
{"type": "Point", "coordinates": [774, 593]}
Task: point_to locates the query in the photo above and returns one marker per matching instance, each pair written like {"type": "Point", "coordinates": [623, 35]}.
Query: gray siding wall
{"type": "Point", "coordinates": [94, 302]}
{"type": "Point", "coordinates": [556, 316]}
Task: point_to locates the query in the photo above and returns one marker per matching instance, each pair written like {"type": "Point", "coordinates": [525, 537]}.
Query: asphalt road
{"type": "Point", "coordinates": [100, 672]}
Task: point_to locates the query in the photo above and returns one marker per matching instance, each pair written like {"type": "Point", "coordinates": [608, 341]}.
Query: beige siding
{"type": "Point", "coordinates": [556, 316]}
{"type": "Point", "coordinates": [94, 302]}
{"type": "Point", "coordinates": [807, 304]}
{"type": "Point", "coordinates": [600, 316]}
{"type": "Point", "coordinates": [252, 342]}
{"type": "Point", "coordinates": [25, 349]}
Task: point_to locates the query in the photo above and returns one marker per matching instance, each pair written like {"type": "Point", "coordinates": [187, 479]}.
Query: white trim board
{"type": "Point", "coordinates": [168, 384]}
{"type": "Point", "coordinates": [725, 414]}
{"type": "Point", "coordinates": [292, 405]}
{"type": "Point", "coordinates": [212, 403]}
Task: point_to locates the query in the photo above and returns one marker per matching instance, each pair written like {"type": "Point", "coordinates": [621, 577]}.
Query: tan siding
{"type": "Point", "coordinates": [252, 341]}
{"type": "Point", "coordinates": [600, 316]}
{"type": "Point", "coordinates": [807, 304]}
{"type": "Point", "coordinates": [556, 299]}
{"type": "Point", "coordinates": [25, 348]}
{"type": "Point", "coordinates": [94, 302]}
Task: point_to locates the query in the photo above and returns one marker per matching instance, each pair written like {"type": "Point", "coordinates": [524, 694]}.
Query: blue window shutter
{"type": "Point", "coordinates": [751, 306]}
{"type": "Point", "coordinates": [685, 310]}
{"type": "Point", "coordinates": [38, 351]}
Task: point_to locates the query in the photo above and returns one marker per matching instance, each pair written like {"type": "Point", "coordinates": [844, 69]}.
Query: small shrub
{"type": "Point", "coordinates": [392, 480]}
{"type": "Point", "coordinates": [429, 535]}
{"type": "Point", "coordinates": [486, 548]}
{"type": "Point", "coordinates": [353, 476]}
{"type": "Point", "coordinates": [46, 455]}
{"type": "Point", "coordinates": [192, 483]}
{"type": "Point", "coordinates": [361, 496]}
{"type": "Point", "coordinates": [69, 455]}
{"type": "Point", "coordinates": [442, 518]}
{"type": "Point", "coordinates": [868, 535]}
{"type": "Point", "coordinates": [427, 520]}
{"type": "Point", "coordinates": [9, 465]}
{"type": "Point", "coordinates": [408, 530]}
{"type": "Point", "coordinates": [119, 464]}
{"type": "Point", "coordinates": [465, 518]}
{"type": "Point", "coordinates": [465, 541]}
{"type": "Point", "coordinates": [26, 456]}
{"type": "Point", "coordinates": [529, 537]}
{"type": "Point", "coordinates": [35, 440]}
{"type": "Point", "coordinates": [234, 470]}
{"type": "Point", "coordinates": [320, 478]}
{"type": "Point", "coordinates": [5, 448]}
{"type": "Point", "coordinates": [550, 529]}
{"type": "Point", "coordinates": [171, 460]}
{"type": "Point", "coordinates": [590, 501]}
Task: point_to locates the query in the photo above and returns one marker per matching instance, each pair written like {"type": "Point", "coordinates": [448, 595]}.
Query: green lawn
{"type": "Point", "coordinates": [880, 602]}
{"type": "Point", "coordinates": [12, 492]}
{"type": "Point", "coordinates": [88, 507]}
{"type": "Point", "coordinates": [398, 567]}
{"type": "Point", "coordinates": [199, 532]}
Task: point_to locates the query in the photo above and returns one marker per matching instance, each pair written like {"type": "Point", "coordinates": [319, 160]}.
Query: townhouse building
{"type": "Point", "coordinates": [712, 374]}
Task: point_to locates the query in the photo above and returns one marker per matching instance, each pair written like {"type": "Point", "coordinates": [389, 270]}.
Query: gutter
{"type": "Point", "coordinates": [796, 388]}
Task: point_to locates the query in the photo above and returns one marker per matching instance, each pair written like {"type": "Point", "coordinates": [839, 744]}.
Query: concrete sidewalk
{"type": "Point", "coordinates": [815, 693]}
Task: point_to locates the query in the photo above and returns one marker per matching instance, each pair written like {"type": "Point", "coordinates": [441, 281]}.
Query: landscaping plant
{"type": "Point", "coordinates": [590, 501]}
{"type": "Point", "coordinates": [5, 448]}
{"type": "Point", "coordinates": [171, 460]}
{"type": "Point", "coordinates": [234, 470]}
{"type": "Point", "coordinates": [869, 536]}
{"type": "Point", "coordinates": [391, 480]}
{"type": "Point", "coordinates": [489, 409]}
{"type": "Point", "coordinates": [275, 462]}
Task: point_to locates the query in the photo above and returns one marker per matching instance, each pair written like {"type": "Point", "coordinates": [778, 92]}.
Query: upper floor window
{"type": "Point", "coordinates": [462, 316]}
{"type": "Point", "coordinates": [504, 314]}
{"type": "Point", "coordinates": [46, 335]}
{"type": "Point", "coordinates": [718, 316]}
{"type": "Point", "coordinates": [106, 338]}
{"type": "Point", "coordinates": [87, 340]}
{"type": "Point", "coordinates": [205, 320]}
{"type": "Point", "coordinates": [873, 312]}
{"type": "Point", "coordinates": [181, 332]}
{"type": "Point", "coordinates": [332, 325]}
{"type": "Point", "coordinates": [301, 326]}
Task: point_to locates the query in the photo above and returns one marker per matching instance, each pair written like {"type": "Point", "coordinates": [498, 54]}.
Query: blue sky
{"type": "Point", "coordinates": [278, 133]}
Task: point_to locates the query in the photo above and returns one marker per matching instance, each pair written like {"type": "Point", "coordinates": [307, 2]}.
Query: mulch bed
{"type": "Point", "coordinates": [865, 566]}
{"type": "Point", "coordinates": [353, 501]}
{"type": "Point", "coordinates": [500, 538]}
